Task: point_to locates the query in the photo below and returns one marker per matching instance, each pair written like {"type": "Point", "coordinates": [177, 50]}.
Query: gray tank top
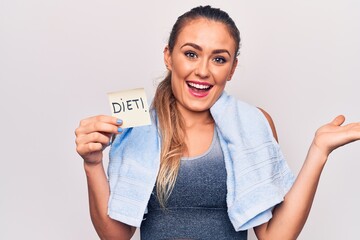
{"type": "Point", "coordinates": [196, 208]}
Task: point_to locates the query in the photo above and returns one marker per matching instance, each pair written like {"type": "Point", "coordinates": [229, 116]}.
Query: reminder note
{"type": "Point", "coordinates": [131, 107]}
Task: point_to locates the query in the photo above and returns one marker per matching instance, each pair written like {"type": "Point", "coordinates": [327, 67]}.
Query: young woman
{"type": "Point", "coordinates": [210, 168]}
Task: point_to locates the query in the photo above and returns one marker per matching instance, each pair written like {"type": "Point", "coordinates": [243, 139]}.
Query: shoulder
{"type": "Point", "coordinates": [271, 122]}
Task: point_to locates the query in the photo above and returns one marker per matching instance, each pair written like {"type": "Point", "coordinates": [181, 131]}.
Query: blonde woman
{"type": "Point", "coordinates": [210, 167]}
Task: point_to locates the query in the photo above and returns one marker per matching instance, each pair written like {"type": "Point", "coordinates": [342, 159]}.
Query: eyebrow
{"type": "Point", "coordinates": [197, 47]}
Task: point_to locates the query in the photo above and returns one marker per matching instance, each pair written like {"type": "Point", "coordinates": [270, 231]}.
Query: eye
{"type": "Point", "coordinates": [220, 60]}
{"type": "Point", "coordinates": [190, 54]}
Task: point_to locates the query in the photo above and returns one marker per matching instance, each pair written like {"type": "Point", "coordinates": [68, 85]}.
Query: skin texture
{"type": "Point", "coordinates": [204, 56]}
{"type": "Point", "coordinates": [92, 137]}
{"type": "Point", "coordinates": [204, 53]}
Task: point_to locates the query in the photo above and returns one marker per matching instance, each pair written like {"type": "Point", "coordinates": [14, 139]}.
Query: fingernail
{"type": "Point", "coordinates": [119, 121]}
{"type": "Point", "coordinates": [120, 130]}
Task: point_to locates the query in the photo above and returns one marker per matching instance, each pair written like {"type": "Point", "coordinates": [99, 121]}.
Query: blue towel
{"type": "Point", "coordinates": [257, 175]}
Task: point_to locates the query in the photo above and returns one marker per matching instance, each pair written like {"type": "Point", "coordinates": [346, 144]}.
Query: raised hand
{"type": "Point", "coordinates": [93, 135]}
{"type": "Point", "coordinates": [334, 135]}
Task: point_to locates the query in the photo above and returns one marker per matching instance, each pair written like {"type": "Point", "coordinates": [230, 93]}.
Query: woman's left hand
{"type": "Point", "coordinates": [333, 135]}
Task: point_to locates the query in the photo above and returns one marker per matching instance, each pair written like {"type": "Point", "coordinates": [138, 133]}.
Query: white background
{"type": "Point", "coordinates": [58, 59]}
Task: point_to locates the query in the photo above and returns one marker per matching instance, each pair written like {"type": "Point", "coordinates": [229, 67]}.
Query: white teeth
{"type": "Point", "coordinates": [199, 86]}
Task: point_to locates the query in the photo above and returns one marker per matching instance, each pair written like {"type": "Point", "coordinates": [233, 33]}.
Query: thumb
{"type": "Point", "coordinates": [338, 120]}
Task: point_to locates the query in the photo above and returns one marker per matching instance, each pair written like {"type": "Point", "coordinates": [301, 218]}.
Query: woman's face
{"type": "Point", "coordinates": [202, 61]}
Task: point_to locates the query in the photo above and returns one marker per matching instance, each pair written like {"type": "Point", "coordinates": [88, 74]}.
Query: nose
{"type": "Point", "coordinates": [202, 69]}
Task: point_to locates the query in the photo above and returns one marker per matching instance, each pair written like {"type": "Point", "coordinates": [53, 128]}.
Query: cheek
{"type": "Point", "coordinates": [182, 68]}
{"type": "Point", "coordinates": [176, 83]}
{"type": "Point", "coordinates": [222, 76]}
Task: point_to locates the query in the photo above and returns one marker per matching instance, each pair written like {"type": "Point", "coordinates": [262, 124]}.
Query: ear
{"type": "Point", "coordinates": [167, 58]}
{"type": "Point", "coordinates": [233, 67]}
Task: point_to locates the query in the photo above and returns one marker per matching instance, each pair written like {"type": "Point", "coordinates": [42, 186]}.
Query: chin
{"type": "Point", "coordinates": [199, 108]}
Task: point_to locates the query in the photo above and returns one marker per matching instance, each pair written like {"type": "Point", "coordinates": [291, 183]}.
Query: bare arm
{"type": "Point", "coordinates": [290, 216]}
{"type": "Point", "coordinates": [92, 137]}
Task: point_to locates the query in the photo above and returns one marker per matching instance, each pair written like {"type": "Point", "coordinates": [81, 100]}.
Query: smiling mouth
{"type": "Point", "coordinates": [199, 86]}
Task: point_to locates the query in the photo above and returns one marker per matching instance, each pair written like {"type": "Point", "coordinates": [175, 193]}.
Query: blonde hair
{"type": "Point", "coordinates": [171, 124]}
{"type": "Point", "coordinates": [172, 139]}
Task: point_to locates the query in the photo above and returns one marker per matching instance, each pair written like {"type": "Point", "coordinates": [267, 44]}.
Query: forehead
{"type": "Point", "coordinates": [206, 33]}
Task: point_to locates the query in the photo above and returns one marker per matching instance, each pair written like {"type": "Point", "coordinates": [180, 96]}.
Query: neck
{"type": "Point", "coordinates": [199, 130]}
{"type": "Point", "coordinates": [194, 118]}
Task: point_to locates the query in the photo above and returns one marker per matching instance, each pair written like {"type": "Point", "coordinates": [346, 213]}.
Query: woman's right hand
{"type": "Point", "coordinates": [93, 135]}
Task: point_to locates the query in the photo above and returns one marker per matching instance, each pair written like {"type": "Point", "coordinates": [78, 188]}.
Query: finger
{"type": "Point", "coordinates": [101, 118]}
{"type": "Point", "coordinates": [338, 120]}
{"type": "Point", "coordinates": [99, 126]}
{"type": "Point", "coordinates": [353, 130]}
{"type": "Point", "coordinates": [95, 137]}
{"type": "Point", "coordinates": [85, 149]}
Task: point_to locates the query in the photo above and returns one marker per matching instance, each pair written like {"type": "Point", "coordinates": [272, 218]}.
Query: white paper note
{"type": "Point", "coordinates": [130, 106]}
